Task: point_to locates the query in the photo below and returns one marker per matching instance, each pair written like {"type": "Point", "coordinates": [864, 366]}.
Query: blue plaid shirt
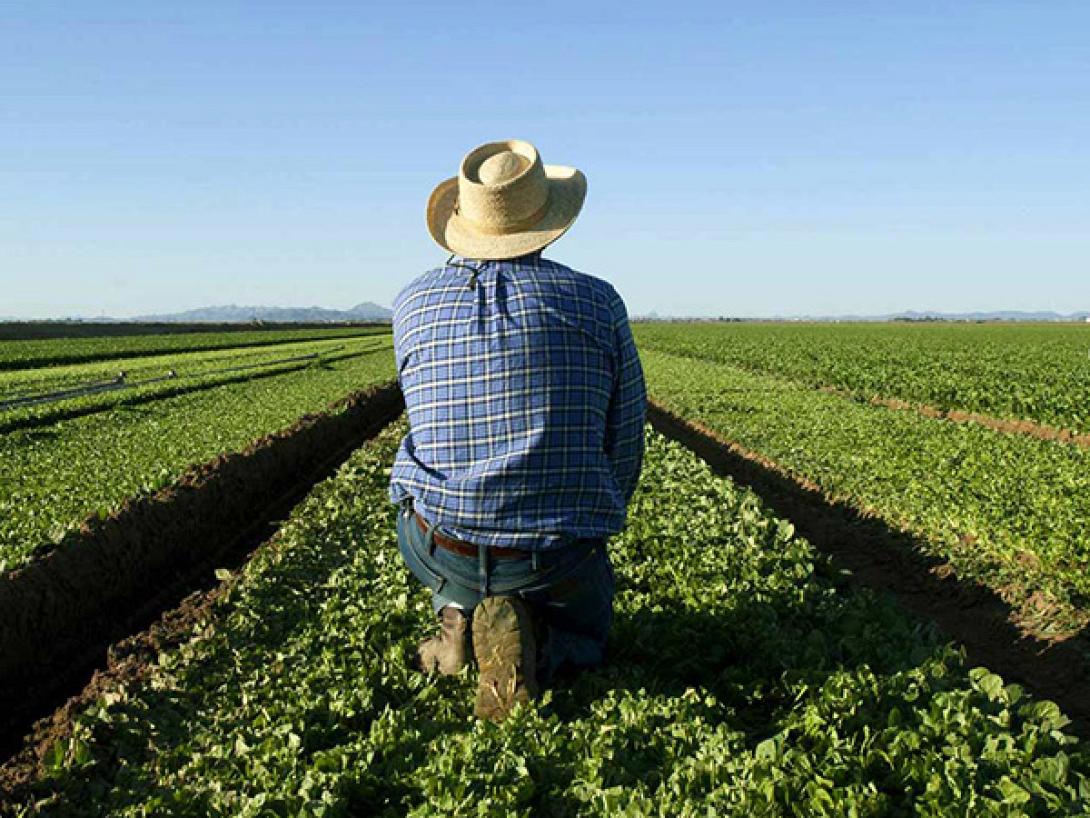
{"type": "Point", "coordinates": [526, 403]}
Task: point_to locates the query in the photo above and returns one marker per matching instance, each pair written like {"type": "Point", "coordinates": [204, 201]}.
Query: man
{"type": "Point", "coordinates": [526, 406]}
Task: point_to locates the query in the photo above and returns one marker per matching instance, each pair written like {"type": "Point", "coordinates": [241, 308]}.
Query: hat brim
{"type": "Point", "coordinates": [567, 191]}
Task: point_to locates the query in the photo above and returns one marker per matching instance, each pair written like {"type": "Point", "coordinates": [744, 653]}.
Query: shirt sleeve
{"type": "Point", "coordinates": [627, 407]}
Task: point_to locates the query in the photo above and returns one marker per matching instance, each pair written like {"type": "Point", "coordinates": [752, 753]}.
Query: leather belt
{"type": "Point", "coordinates": [466, 549]}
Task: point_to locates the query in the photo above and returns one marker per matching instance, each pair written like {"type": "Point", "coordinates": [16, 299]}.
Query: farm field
{"type": "Point", "coordinates": [1039, 373]}
{"type": "Point", "coordinates": [286, 690]}
{"type": "Point", "coordinates": [56, 468]}
{"type": "Point", "coordinates": [1006, 509]}
{"type": "Point", "coordinates": [291, 694]}
{"type": "Point", "coordinates": [32, 353]}
{"type": "Point", "coordinates": [100, 385]}
{"type": "Point", "coordinates": [185, 362]}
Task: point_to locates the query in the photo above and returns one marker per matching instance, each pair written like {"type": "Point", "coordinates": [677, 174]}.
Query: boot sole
{"type": "Point", "coordinates": [506, 652]}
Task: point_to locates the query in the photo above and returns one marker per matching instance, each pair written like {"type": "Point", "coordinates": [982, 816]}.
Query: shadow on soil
{"type": "Point", "coordinates": [890, 561]}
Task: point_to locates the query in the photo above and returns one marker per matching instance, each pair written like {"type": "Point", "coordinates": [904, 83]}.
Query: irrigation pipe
{"type": "Point", "coordinates": [122, 382]}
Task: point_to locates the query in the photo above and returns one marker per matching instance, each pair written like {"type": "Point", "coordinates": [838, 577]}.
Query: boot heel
{"type": "Point", "coordinates": [505, 647]}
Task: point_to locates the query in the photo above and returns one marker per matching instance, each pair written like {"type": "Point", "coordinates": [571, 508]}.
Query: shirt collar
{"type": "Point", "coordinates": [529, 258]}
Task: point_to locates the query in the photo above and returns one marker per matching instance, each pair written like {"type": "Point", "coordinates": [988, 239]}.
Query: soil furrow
{"type": "Point", "coordinates": [892, 561]}
{"type": "Point", "coordinates": [60, 614]}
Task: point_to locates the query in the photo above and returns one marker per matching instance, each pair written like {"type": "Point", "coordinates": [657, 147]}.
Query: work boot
{"type": "Point", "coordinates": [505, 646]}
{"type": "Point", "coordinates": [448, 652]}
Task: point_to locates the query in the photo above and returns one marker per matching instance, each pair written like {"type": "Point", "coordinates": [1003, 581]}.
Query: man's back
{"type": "Point", "coordinates": [526, 407]}
{"type": "Point", "coordinates": [525, 400]}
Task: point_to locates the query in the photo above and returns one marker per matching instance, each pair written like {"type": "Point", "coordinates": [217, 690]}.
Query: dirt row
{"type": "Point", "coordinates": [125, 663]}
{"type": "Point", "coordinates": [893, 561]}
{"type": "Point", "coordinates": [59, 614]}
{"type": "Point", "coordinates": [1029, 428]}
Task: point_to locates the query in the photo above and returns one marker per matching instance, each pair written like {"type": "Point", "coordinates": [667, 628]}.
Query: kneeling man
{"type": "Point", "coordinates": [526, 405]}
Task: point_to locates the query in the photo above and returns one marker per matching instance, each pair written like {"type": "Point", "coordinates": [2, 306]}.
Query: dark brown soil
{"type": "Point", "coordinates": [59, 614]}
{"type": "Point", "coordinates": [126, 662]}
{"type": "Point", "coordinates": [893, 561]}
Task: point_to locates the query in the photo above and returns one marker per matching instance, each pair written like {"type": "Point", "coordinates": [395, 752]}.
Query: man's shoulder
{"type": "Point", "coordinates": [435, 279]}
{"type": "Point", "coordinates": [595, 289]}
{"type": "Point", "coordinates": [563, 271]}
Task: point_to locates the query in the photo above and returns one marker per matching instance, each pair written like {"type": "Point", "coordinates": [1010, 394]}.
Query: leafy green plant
{"type": "Point", "coordinates": [743, 681]}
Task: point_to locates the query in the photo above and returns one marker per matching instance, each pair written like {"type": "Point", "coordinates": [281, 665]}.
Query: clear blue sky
{"type": "Point", "coordinates": [748, 158]}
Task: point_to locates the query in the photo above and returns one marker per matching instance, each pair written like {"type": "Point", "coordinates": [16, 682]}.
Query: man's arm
{"type": "Point", "coordinates": [627, 407]}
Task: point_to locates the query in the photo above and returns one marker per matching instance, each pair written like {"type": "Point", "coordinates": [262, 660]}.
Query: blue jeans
{"type": "Point", "coordinates": [570, 590]}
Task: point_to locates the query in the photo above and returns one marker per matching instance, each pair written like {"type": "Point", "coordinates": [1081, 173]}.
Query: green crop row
{"type": "Point", "coordinates": [1009, 510]}
{"type": "Point", "coordinates": [192, 371]}
{"type": "Point", "coordinates": [744, 680]}
{"type": "Point", "coordinates": [31, 354]}
{"type": "Point", "coordinates": [1022, 372]}
{"type": "Point", "coordinates": [52, 477]}
{"type": "Point", "coordinates": [187, 361]}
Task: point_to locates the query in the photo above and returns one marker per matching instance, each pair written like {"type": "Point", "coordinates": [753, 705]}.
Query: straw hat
{"type": "Point", "coordinates": [504, 202]}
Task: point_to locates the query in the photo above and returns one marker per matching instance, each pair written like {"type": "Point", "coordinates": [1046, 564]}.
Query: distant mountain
{"type": "Point", "coordinates": [232, 313]}
{"type": "Point", "coordinates": [998, 315]}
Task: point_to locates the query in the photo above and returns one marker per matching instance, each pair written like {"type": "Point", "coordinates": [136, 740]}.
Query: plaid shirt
{"type": "Point", "coordinates": [526, 403]}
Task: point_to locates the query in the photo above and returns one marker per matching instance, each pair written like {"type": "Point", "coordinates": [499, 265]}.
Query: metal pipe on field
{"type": "Point", "coordinates": [122, 382]}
